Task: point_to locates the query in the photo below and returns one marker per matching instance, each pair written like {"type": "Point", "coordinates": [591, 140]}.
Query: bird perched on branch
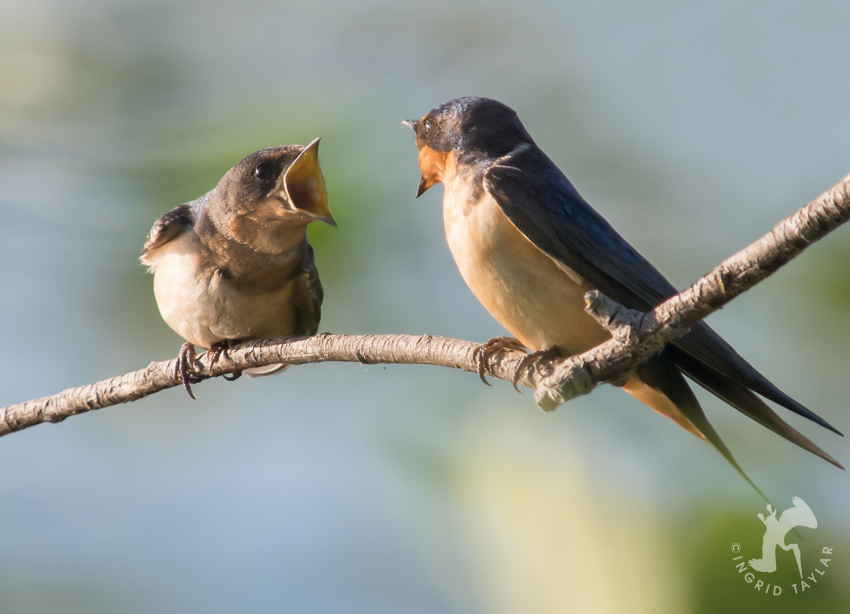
{"type": "Point", "coordinates": [235, 264]}
{"type": "Point", "coordinates": [529, 247]}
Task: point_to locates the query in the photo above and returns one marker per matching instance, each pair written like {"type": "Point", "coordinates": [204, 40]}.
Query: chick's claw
{"type": "Point", "coordinates": [216, 351]}
{"type": "Point", "coordinates": [185, 368]}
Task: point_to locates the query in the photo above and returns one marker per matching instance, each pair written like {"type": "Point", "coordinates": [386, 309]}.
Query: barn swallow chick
{"type": "Point", "coordinates": [529, 247]}
{"type": "Point", "coordinates": [235, 264]}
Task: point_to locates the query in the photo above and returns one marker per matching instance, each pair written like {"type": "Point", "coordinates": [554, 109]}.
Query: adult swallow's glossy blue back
{"type": "Point", "coordinates": [529, 247]}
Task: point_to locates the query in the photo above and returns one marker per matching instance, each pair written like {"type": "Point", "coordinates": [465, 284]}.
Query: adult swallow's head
{"type": "Point", "coordinates": [267, 200]}
{"type": "Point", "coordinates": [471, 129]}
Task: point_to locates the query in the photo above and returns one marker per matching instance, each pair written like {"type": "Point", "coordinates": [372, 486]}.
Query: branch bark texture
{"type": "Point", "coordinates": [635, 335]}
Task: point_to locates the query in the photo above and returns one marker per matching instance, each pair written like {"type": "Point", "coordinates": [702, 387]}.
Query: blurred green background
{"type": "Point", "coordinates": [693, 127]}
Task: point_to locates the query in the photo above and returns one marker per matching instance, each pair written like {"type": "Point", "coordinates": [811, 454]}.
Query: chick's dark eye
{"type": "Point", "coordinates": [263, 171]}
{"type": "Point", "coordinates": [428, 125]}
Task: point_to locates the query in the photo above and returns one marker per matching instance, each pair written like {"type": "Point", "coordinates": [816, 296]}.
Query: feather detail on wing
{"type": "Point", "coordinates": [308, 299]}
{"type": "Point", "coordinates": [542, 203]}
{"type": "Point", "coordinates": [168, 227]}
{"type": "Point", "coordinates": [311, 295]}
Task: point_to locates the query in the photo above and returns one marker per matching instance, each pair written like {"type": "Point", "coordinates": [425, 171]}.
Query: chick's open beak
{"type": "Point", "coordinates": [305, 185]}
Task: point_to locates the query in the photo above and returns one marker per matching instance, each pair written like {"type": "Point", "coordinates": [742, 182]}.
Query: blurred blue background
{"type": "Point", "coordinates": [693, 127]}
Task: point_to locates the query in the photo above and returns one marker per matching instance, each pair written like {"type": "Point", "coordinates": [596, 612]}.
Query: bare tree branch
{"type": "Point", "coordinates": [635, 335]}
{"type": "Point", "coordinates": [324, 347]}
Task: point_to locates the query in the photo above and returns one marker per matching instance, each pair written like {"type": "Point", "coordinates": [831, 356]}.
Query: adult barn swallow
{"type": "Point", "coordinates": [529, 247]}
{"type": "Point", "coordinates": [235, 264]}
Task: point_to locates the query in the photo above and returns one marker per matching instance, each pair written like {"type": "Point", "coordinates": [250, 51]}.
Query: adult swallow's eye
{"type": "Point", "coordinates": [428, 124]}
{"type": "Point", "coordinates": [263, 171]}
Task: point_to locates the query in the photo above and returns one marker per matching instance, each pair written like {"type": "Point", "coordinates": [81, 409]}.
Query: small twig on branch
{"type": "Point", "coordinates": [635, 336]}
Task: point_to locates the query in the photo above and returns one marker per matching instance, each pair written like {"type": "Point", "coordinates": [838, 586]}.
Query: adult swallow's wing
{"type": "Point", "coordinates": [542, 203]}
